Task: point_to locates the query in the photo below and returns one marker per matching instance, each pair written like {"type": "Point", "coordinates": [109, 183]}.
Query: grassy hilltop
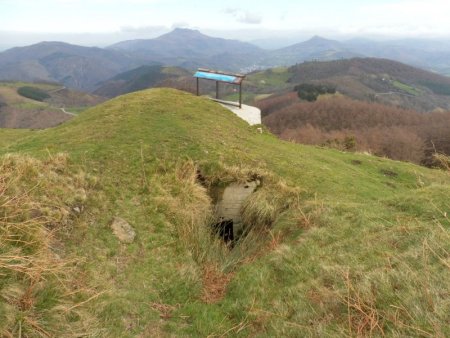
{"type": "Point", "coordinates": [340, 244]}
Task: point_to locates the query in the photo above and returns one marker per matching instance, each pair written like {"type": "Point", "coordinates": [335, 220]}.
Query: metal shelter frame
{"type": "Point", "coordinates": [218, 76]}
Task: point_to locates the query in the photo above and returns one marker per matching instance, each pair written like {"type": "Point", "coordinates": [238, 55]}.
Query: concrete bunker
{"type": "Point", "coordinates": [228, 202]}
{"type": "Point", "coordinates": [245, 202]}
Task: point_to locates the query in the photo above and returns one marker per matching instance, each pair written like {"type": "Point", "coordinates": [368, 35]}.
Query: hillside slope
{"type": "Point", "coordinates": [314, 49]}
{"type": "Point", "coordinates": [369, 79]}
{"type": "Point", "coordinates": [339, 244]}
{"type": "Point", "coordinates": [143, 77]}
{"type": "Point", "coordinates": [18, 111]}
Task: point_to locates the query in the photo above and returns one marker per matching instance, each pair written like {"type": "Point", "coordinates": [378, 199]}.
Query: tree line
{"type": "Point", "coordinates": [33, 93]}
{"type": "Point", "coordinates": [353, 125]}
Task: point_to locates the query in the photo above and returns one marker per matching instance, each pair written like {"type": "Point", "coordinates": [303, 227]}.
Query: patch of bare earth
{"type": "Point", "coordinates": [215, 284]}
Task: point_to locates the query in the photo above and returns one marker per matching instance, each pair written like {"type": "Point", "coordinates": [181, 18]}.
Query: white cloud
{"type": "Point", "coordinates": [142, 29]}
{"type": "Point", "coordinates": [406, 17]}
{"type": "Point", "coordinates": [243, 16]}
{"type": "Point", "coordinates": [145, 18]}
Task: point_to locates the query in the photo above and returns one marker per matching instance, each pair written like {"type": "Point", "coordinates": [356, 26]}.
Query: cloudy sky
{"type": "Point", "coordinates": [100, 22]}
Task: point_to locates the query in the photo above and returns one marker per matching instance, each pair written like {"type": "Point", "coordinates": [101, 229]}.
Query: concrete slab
{"type": "Point", "coordinates": [248, 113]}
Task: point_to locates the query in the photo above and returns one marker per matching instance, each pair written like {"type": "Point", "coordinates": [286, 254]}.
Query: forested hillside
{"type": "Point", "coordinates": [347, 124]}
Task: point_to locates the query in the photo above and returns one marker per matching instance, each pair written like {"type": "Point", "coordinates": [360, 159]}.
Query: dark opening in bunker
{"type": "Point", "coordinates": [224, 229]}
{"type": "Point", "coordinates": [228, 202]}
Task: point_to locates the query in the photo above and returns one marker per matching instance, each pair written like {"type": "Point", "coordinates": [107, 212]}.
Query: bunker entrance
{"type": "Point", "coordinates": [228, 202]}
{"type": "Point", "coordinates": [224, 229]}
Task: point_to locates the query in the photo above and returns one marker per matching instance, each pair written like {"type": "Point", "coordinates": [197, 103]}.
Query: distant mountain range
{"type": "Point", "coordinates": [87, 68]}
{"type": "Point", "coordinates": [73, 66]}
{"type": "Point", "coordinates": [427, 54]}
{"type": "Point", "coordinates": [191, 49]}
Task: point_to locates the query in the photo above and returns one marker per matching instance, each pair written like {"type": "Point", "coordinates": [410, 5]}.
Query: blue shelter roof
{"type": "Point", "coordinates": [217, 76]}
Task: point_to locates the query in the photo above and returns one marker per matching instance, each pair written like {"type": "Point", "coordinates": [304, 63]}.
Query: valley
{"type": "Point", "coordinates": [18, 111]}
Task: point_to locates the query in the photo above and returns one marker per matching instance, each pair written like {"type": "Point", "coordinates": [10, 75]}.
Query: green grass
{"type": "Point", "coordinates": [276, 77]}
{"type": "Point", "coordinates": [42, 86]}
{"type": "Point", "coordinates": [263, 83]}
{"type": "Point", "coordinates": [10, 136]}
{"type": "Point", "coordinates": [175, 71]}
{"type": "Point", "coordinates": [247, 98]}
{"type": "Point", "coordinates": [30, 105]}
{"type": "Point", "coordinates": [76, 110]}
{"type": "Point", "coordinates": [406, 88]}
{"type": "Point", "coordinates": [262, 96]}
{"type": "Point", "coordinates": [359, 245]}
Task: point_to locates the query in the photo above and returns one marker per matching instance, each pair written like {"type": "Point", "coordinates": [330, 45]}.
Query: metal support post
{"type": "Point", "coordinates": [240, 96]}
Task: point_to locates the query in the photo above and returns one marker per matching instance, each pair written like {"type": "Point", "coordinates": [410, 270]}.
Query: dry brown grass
{"type": "Point", "coordinates": [369, 314]}
{"type": "Point", "coordinates": [264, 206]}
{"type": "Point", "coordinates": [214, 284]}
{"type": "Point", "coordinates": [188, 208]}
{"type": "Point", "coordinates": [165, 310]}
{"type": "Point", "coordinates": [363, 317]}
{"type": "Point", "coordinates": [39, 293]}
{"type": "Point", "coordinates": [441, 161]}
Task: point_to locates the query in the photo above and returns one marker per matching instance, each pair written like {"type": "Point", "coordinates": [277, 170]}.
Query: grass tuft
{"type": "Point", "coordinates": [441, 161]}
{"type": "Point", "coordinates": [38, 286]}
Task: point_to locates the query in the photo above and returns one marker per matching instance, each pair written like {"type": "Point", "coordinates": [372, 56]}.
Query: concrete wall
{"type": "Point", "coordinates": [231, 201]}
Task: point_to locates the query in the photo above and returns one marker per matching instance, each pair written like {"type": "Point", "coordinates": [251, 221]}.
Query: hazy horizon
{"type": "Point", "coordinates": [271, 24]}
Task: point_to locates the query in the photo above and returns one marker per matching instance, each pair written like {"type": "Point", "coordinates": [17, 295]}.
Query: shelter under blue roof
{"type": "Point", "coordinates": [217, 76]}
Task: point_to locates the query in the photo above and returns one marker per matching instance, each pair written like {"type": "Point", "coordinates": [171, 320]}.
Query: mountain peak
{"type": "Point", "coordinates": [52, 44]}
{"type": "Point", "coordinates": [183, 32]}
{"type": "Point", "coordinates": [317, 38]}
